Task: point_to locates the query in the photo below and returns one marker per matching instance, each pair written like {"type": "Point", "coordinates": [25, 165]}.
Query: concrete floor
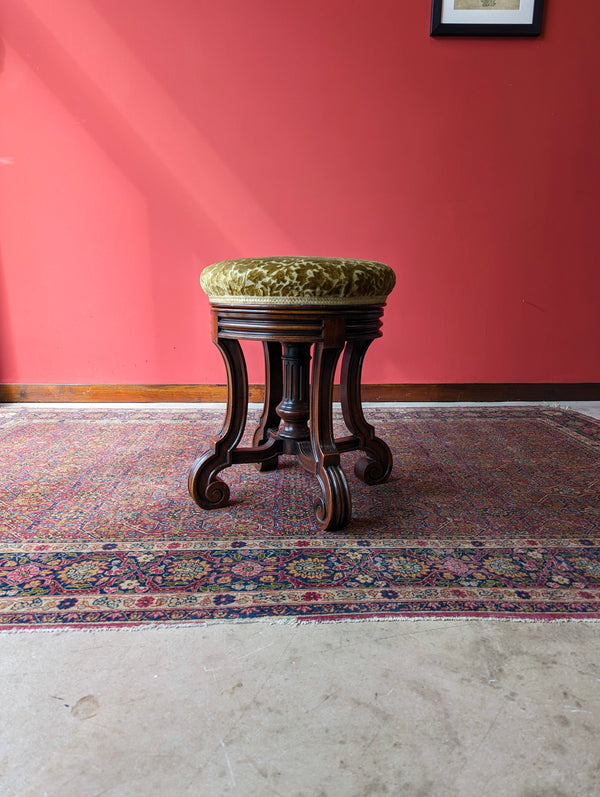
{"type": "Point", "coordinates": [415, 708]}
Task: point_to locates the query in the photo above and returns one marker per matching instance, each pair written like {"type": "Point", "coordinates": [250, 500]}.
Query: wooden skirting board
{"type": "Point", "coordinates": [527, 391]}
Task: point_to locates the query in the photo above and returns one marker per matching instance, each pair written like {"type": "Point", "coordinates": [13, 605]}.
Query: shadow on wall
{"type": "Point", "coordinates": [191, 193]}
{"type": "Point", "coordinates": [47, 49]}
{"type": "Point", "coordinates": [88, 91]}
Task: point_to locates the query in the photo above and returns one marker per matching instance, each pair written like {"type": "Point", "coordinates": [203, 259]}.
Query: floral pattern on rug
{"type": "Point", "coordinates": [489, 512]}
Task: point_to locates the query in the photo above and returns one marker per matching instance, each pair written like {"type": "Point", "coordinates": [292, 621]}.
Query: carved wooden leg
{"type": "Point", "coordinates": [376, 467]}
{"type": "Point", "coordinates": [205, 488]}
{"type": "Point", "coordinates": [270, 420]}
{"type": "Point", "coordinates": [334, 509]}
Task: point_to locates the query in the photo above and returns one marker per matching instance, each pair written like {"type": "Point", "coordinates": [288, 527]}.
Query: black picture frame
{"type": "Point", "coordinates": [532, 27]}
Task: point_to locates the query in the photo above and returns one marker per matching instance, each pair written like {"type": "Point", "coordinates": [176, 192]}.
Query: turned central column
{"type": "Point", "coordinates": [294, 408]}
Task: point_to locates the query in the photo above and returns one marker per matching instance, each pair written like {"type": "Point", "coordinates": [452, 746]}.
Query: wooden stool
{"type": "Point", "coordinates": [292, 304]}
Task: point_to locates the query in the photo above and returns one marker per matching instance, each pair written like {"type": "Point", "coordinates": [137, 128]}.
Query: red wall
{"type": "Point", "coordinates": [142, 140]}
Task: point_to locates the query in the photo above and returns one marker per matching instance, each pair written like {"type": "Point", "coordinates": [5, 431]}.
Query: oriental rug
{"type": "Point", "coordinates": [490, 512]}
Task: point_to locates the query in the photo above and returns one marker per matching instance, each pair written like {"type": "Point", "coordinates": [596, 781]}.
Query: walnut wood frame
{"type": "Point", "coordinates": [297, 411]}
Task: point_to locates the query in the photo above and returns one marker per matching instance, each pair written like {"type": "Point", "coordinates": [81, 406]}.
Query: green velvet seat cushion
{"type": "Point", "coordinates": [297, 281]}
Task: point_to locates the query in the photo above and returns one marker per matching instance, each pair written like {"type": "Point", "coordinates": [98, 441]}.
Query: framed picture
{"type": "Point", "coordinates": [486, 17]}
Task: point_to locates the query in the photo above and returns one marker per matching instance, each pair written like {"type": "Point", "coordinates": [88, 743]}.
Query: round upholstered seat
{"type": "Point", "coordinates": [297, 281]}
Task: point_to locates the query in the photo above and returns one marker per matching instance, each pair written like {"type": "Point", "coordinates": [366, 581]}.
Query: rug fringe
{"type": "Point", "coordinates": [385, 619]}
{"type": "Point", "coordinates": [294, 621]}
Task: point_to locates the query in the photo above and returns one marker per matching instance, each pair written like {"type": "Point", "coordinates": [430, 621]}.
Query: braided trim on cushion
{"type": "Point", "coordinates": [298, 300]}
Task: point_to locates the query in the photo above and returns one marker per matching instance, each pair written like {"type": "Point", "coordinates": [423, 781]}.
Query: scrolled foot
{"type": "Point", "coordinates": [376, 467]}
{"type": "Point", "coordinates": [206, 489]}
{"type": "Point", "coordinates": [333, 508]}
{"type": "Point", "coordinates": [215, 495]}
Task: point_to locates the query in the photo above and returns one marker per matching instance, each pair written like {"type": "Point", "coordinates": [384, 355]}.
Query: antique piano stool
{"type": "Point", "coordinates": [293, 304]}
